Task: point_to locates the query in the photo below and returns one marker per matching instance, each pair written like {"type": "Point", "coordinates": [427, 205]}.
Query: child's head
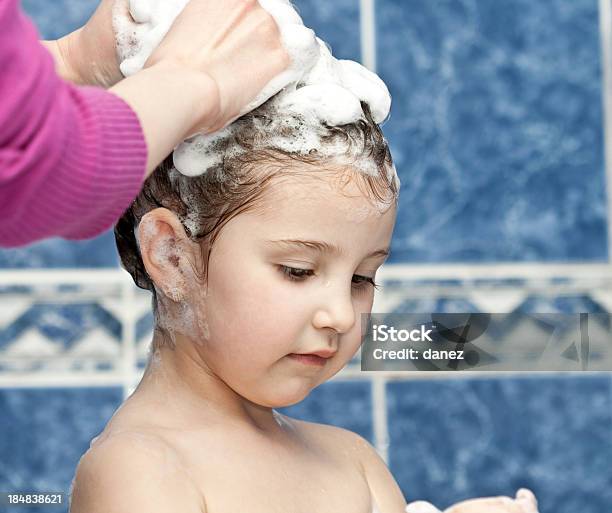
{"type": "Point", "coordinates": [266, 255]}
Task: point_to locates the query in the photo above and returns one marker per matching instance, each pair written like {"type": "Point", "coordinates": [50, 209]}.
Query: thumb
{"type": "Point", "coordinates": [527, 501]}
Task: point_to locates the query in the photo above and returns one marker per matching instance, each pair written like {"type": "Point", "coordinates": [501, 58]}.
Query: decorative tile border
{"type": "Point", "coordinates": [92, 328]}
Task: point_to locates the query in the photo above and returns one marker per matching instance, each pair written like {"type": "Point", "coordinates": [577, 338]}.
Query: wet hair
{"type": "Point", "coordinates": [205, 203]}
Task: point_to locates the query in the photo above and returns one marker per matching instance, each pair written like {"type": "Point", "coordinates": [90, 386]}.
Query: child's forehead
{"type": "Point", "coordinates": [299, 203]}
{"type": "Point", "coordinates": [313, 210]}
{"type": "Point", "coordinates": [327, 187]}
{"type": "Point", "coordinates": [331, 201]}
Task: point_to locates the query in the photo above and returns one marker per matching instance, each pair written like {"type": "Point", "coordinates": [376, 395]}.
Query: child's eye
{"type": "Point", "coordinates": [363, 281]}
{"type": "Point", "coordinates": [295, 273]}
{"type": "Point", "coordinates": [298, 274]}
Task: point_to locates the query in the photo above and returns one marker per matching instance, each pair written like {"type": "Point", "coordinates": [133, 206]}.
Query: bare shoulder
{"type": "Point", "coordinates": [385, 491]}
{"type": "Point", "coordinates": [337, 438]}
{"type": "Point", "coordinates": [133, 471]}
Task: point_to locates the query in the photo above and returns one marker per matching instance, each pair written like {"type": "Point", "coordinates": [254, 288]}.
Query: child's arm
{"type": "Point", "coordinates": [385, 491]}
{"type": "Point", "coordinates": [128, 473]}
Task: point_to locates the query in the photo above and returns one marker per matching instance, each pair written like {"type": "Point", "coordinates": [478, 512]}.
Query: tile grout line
{"type": "Point", "coordinates": [379, 416]}
{"type": "Point", "coordinates": [367, 25]}
{"type": "Point", "coordinates": [605, 32]}
{"type": "Point", "coordinates": [377, 383]}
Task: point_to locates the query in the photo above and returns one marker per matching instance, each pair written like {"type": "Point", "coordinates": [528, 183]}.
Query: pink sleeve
{"type": "Point", "coordinates": [72, 159]}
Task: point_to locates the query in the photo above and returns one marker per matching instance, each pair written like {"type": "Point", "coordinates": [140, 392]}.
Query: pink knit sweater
{"type": "Point", "coordinates": [71, 158]}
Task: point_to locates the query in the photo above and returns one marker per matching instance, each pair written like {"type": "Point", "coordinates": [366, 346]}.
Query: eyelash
{"type": "Point", "coordinates": [297, 274]}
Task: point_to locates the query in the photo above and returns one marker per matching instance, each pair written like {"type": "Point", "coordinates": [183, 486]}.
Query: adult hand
{"type": "Point", "coordinates": [236, 44]}
{"type": "Point", "coordinates": [88, 56]}
{"type": "Point", "coordinates": [216, 57]}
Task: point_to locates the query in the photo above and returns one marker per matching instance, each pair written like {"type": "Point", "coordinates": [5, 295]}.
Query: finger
{"type": "Point", "coordinates": [421, 507]}
{"type": "Point", "coordinates": [527, 500]}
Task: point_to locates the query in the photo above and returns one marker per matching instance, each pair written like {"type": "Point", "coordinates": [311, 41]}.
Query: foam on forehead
{"type": "Point", "coordinates": [316, 91]}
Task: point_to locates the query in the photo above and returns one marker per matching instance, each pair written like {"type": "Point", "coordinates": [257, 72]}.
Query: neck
{"type": "Point", "coordinates": [177, 376]}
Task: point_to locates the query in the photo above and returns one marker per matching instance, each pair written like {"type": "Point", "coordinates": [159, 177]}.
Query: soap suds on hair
{"type": "Point", "coordinates": [316, 92]}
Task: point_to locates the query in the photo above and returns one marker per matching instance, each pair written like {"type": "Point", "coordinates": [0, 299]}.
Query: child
{"type": "Point", "coordinates": [259, 271]}
{"type": "Point", "coordinates": [260, 245]}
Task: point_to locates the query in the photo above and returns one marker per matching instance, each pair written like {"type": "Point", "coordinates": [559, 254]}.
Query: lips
{"type": "Point", "coordinates": [323, 353]}
{"type": "Point", "coordinates": [315, 358]}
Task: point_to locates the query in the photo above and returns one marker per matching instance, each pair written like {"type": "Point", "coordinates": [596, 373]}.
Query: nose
{"type": "Point", "coordinates": [335, 309]}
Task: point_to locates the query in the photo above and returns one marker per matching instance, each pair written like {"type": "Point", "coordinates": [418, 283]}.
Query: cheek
{"type": "Point", "coordinates": [252, 314]}
{"type": "Point", "coordinates": [363, 303]}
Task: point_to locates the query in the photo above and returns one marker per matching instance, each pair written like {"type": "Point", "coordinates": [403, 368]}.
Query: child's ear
{"type": "Point", "coordinates": [166, 252]}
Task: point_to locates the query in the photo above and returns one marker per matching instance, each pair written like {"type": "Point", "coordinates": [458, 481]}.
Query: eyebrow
{"type": "Point", "coordinates": [322, 247]}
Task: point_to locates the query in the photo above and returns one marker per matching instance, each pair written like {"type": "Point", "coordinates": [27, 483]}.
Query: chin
{"type": "Point", "coordinates": [288, 396]}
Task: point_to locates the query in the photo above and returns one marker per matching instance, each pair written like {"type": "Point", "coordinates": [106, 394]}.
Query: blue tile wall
{"type": "Point", "coordinates": [44, 433]}
{"type": "Point", "coordinates": [452, 440]}
{"type": "Point", "coordinates": [57, 19]}
{"type": "Point", "coordinates": [337, 23]}
{"type": "Point", "coordinates": [496, 128]}
{"type": "Point", "coordinates": [58, 254]}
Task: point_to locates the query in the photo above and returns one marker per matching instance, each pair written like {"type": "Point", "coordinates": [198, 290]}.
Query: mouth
{"type": "Point", "coordinates": [309, 359]}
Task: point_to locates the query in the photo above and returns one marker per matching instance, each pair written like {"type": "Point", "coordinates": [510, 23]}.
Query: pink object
{"type": "Point", "coordinates": [71, 158]}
